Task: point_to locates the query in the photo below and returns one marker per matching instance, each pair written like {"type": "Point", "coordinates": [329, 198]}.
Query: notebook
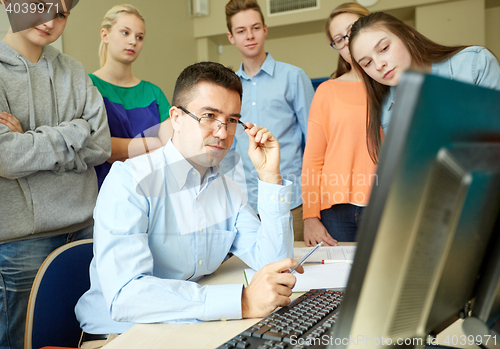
{"type": "Point", "coordinates": [326, 253]}
{"type": "Point", "coordinates": [317, 276]}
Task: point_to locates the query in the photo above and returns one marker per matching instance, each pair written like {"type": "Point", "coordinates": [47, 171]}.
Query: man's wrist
{"type": "Point", "coordinates": [272, 178]}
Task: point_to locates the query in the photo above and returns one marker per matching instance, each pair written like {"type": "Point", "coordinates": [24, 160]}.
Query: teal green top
{"type": "Point", "coordinates": [138, 96]}
{"type": "Point", "coordinates": [132, 111]}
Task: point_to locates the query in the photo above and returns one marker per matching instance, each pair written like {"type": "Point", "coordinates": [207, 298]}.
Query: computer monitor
{"type": "Point", "coordinates": [429, 237]}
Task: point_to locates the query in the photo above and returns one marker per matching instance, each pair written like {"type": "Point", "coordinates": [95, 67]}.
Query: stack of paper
{"type": "Point", "coordinates": [329, 276]}
{"type": "Point", "coordinates": [327, 254]}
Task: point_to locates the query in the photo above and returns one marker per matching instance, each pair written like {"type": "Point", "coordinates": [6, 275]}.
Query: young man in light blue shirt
{"type": "Point", "coordinates": [165, 219]}
{"type": "Point", "coordinates": [276, 95]}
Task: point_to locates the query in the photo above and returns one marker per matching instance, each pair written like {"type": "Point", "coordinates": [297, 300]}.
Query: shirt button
{"type": "Point", "coordinates": [253, 103]}
{"type": "Point", "coordinates": [254, 83]}
{"type": "Point", "coordinates": [200, 230]}
{"type": "Point", "coordinates": [273, 197]}
{"type": "Point", "coordinates": [198, 198]}
{"type": "Point", "coordinates": [281, 235]}
{"type": "Point", "coordinates": [282, 199]}
{"type": "Point", "coordinates": [200, 262]}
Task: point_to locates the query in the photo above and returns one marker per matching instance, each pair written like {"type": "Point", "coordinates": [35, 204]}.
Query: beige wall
{"type": "Point", "coordinates": [168, 48]}
{"type": "Point", "coordinates": [493, 30]}
{"type": "Point", "coordinates": [453, 23]}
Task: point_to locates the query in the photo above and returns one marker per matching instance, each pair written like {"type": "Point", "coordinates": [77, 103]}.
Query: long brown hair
{"type": "Point", "coordinates": [422, 51]}
{"type": "Point", "coordinates": [347, 7]}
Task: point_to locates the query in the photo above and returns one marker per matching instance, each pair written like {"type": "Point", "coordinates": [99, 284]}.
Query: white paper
{"type": "Point", "coordinates": [329, 276]}
{"type": "Point", "coordinates": [331, 253]}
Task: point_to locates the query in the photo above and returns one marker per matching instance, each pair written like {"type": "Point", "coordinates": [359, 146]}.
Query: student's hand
{"type": "Point", "coordinates": [271, 287]}
{"type": "Point", "coordinates": [315, 232]}
{"type": "Point", "coordinates": [264, 151]}
{"type": "Point", "coordinates": [11, 122]}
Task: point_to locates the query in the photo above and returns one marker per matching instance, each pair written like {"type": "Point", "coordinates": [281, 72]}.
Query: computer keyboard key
{"type": "Point", "coordinates": [258, 333]}
{"type": "Point", "coordinates": [307, 318]}
{"type": "Point", "coordinates": [293, 335]}
{"type": "Point", "coordinates": [272, 335]}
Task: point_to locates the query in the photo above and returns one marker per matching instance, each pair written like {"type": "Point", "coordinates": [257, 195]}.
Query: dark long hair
{"type": "Point", "coordinates": [422, 51]}
{"type": "Point", "coordinates": [347, 7]}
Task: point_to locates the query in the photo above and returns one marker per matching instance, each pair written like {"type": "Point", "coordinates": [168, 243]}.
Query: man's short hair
{"type": "Point", "coordinates": [210, 72]}
{"type": "Point", "coordinates": [235, 6]}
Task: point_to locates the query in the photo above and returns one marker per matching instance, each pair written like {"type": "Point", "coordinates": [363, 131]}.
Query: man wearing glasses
{"type": "Point", "coordinates": [165, 219]}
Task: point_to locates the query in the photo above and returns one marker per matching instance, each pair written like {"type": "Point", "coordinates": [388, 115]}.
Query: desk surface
{"type": "Point", "coordinates": [213, 333]}
{"type": "Point", "coordinates": [200, 335]}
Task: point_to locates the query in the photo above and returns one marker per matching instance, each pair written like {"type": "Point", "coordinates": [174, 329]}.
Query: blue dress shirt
{"type": "Point", "coordinates": [157, 230]}
{"type": "Point", "coordinates": [278, 97]}
{"type": "Point", "coordinates": [473, 65]}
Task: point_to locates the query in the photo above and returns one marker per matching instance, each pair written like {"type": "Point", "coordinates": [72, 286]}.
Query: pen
{"type": "Point", "coordinates": [329, 261]}
{"type": "Point", "coordinates": [302, 261]}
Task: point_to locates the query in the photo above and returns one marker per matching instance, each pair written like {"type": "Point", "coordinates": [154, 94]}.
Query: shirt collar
{"type": "Point", "coordinates": [267, 67]}
{"type": "Point", "coordinates": [181, 168]}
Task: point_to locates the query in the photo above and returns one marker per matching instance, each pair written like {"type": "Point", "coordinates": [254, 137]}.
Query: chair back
{"type": "Point", "coordinates": [61, 280]}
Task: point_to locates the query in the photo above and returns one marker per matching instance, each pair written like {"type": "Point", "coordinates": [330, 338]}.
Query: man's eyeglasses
{"type": "Point", "coordinates": [339, 42]}
{"type": "Point", "coordinates": [211, 124]}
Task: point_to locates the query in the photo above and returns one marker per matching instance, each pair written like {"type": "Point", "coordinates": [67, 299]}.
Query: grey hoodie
{"type": "Point", "coordinates": [48, 185]}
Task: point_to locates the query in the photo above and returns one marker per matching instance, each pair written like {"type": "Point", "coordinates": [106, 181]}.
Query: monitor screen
{"type": "Point", "coordinates": [429, 230]}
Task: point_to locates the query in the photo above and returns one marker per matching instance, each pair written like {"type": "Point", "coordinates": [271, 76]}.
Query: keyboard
{"type": "Point", "coordinates": [301, 324]}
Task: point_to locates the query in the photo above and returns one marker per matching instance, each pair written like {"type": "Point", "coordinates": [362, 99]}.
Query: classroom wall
{"type": "Point", "coordinates": [493, 30]}
{"type": "Point", "coordinates": [169, 44]}
{"type": "Point", "coordinates": [453, 23]}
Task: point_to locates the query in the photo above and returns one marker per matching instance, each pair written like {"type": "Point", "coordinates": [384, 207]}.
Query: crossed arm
{"type": "Point", "coordinates": [73, 145]}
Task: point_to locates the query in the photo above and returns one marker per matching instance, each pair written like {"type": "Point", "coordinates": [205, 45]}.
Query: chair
{"type": "Point", "coordinates": [60, 282]}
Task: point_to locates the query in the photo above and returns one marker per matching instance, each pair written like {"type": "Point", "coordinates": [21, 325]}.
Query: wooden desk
{"type": "Point", "coordinates": [210, 334]}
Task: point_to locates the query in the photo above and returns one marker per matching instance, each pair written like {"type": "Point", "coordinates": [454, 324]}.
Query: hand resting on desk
{"type": "Point", "coordinates": [271, 287]}
{"type": "Point", "coordinates": [315, 232]}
